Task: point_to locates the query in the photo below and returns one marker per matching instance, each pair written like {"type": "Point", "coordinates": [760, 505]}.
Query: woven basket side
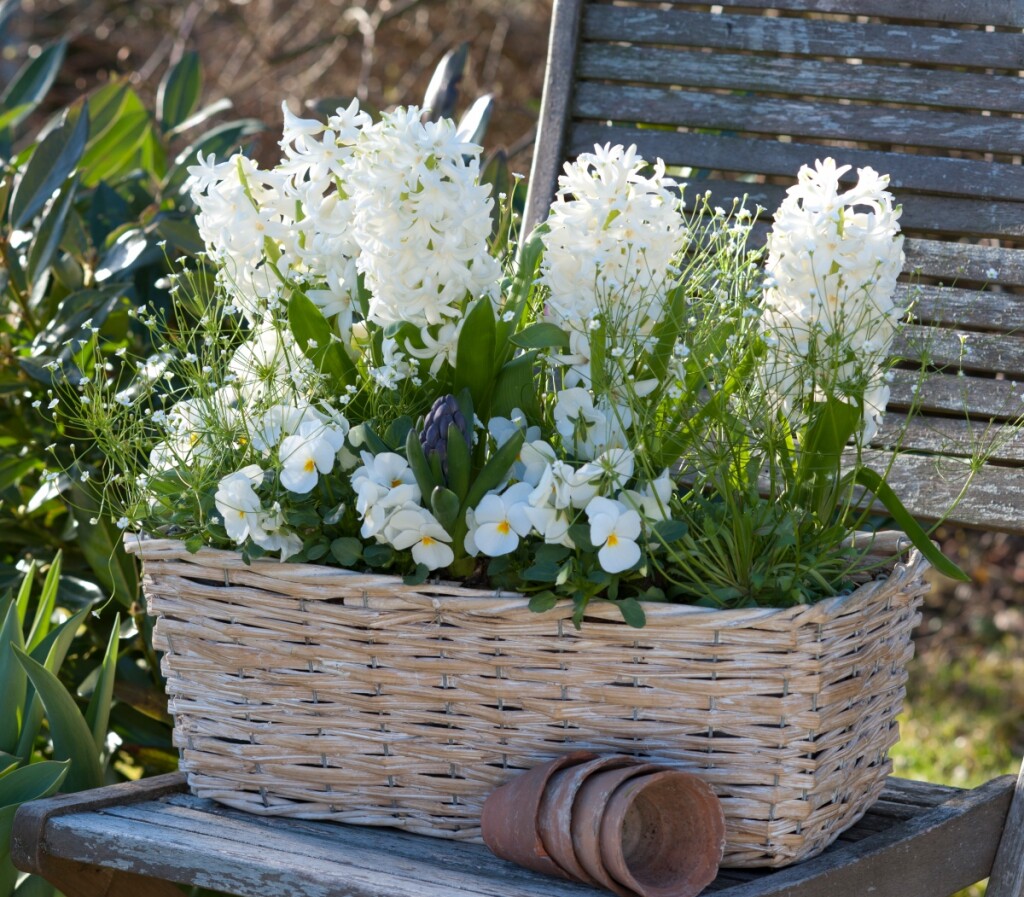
{"type": "Point", "coordinates": [408, 712]}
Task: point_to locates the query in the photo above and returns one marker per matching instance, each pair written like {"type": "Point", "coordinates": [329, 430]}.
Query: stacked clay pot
{"type": "Point", "coordinates": [635, 828]}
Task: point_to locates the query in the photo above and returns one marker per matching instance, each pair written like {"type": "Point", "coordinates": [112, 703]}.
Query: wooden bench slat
{"type": "Point", "coordinates": [967, 309]}
{"type": "Point", "coordinates": [968, 350]}
{"type": "Point", "coordinates": [1001, 13]}
{"type": "Point", "coordinates": [798, 118]}
{"type": "Point", "coordinates": [806, 77]}
{"type": "Point", "coordinates": [909, 172]}
{"type": "Point", "coordinates": [929, 484]}
{"type": "Point", "coordinates": [804, 37]}
{"type": "Point", "coordinates": [964, 261]}
{"type": "Point", "coordinates": [951, 436]}
{"type": "Point", "coordinates": [954, 216]}
{"type": "Point", "coordinates": [979, 397]}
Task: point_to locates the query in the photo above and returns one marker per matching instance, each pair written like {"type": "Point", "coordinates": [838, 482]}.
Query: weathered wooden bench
{"type": "Point", "coordinates": [741, 93]}
{"type": "Point", "coordinates": [129, 840]}
{"type": "Point", "coordinates": [744, 92]}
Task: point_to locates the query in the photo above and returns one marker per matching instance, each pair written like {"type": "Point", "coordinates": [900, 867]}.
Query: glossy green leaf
{"type": "Point", "coordinates": [442, 93]}
{"type": "Point", "coordinates": [13, 469]}
{"type": "Point", "coordinates": [418, 462]}
{"type": "Point", "coordinates": [178, 94]}
{"type": "Point", "coordinates": [874, 483]}
{"type": "Point", "coordinates": [33, 81]}
{"type": "Point", "coordinates": [542, 335]}
{"type": "Point", "coordinates": [97, 715]}
{"type": "Point", "coordinates": [495, 470]}
{"type": "Point", "coordinates": [51, 230]}
{"type": "Point", "coordinates": [516, 387]}
{"type": "Point", "coordinates": [52, 161]}
{"type": "Point", "coordinates": [445, 505]}
{"type": "Point", "coordinates": [347, 551]}
{"type": "Point", "coordinates": [632, 612]}
{"type": "Point", "coordinates": [117, 135]}
{"type": "Point", "coordinates": [69, 732]}
{"type": "Point", "coordinates": [318, 341]}
{"type": "Point", "coordinates": [473, 124]}
{"type": "Point", "coordinates": [474, 356]}
{"type": "Point", "coordinates": [12, 681]}
{"type": "Point", "coordinates": [25, 592]}
{"type": "Point", "coordinates": [459, 463]}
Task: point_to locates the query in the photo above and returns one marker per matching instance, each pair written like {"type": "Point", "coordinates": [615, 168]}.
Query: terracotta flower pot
{"type": "Point", "coordinates": [556, 808]}
{"type": "Point", "coordinates": [663, 835]}
{"type": "Point", "coordinates": [587, 815]}
{"type": "Point", "coordinates": [509, 819]}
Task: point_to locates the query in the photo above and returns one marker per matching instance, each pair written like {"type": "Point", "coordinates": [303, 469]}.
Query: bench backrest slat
{"type": "Point", "coordinates": [738, 95]}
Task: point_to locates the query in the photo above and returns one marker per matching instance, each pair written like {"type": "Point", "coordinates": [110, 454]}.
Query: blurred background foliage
{"type": "Point", "coordinates": [102, 104]}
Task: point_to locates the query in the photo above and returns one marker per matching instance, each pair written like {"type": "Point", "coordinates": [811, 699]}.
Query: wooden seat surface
{"type": "Point", "coordinates": [156, 830]}
{"type": "Point", "coordinates": [739, 94]}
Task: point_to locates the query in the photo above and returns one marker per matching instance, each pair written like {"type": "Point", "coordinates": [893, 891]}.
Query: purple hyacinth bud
{"type": "Point", "coordinates": [434, 435]}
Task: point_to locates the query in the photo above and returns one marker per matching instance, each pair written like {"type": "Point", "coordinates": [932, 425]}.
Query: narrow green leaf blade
{"type": "Point", "coordinates": [34, 80]}
{"type": "Point", "coordinates": [871, 481]}
{"type": "Point", "coordinates": [100, 542]}
{"type": "Point", "coordinates": [97, 715]}
{"type": "Point", "coordinates": [12, 681]}
{"type": "Point", "coordinates": [44, 609]}
{"type": "Point", "coordinates": [474, 356]}
{"type": "Point", "coordinates": [71, 736]}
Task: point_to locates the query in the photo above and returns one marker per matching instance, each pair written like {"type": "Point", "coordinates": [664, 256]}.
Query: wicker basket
{"type": "Point", "coordinates": [318, 693]}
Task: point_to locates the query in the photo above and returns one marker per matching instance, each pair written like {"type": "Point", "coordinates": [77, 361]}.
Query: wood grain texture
{"type": "Point", "coordinates": [798, 118]}
{"type": "Point", "coordinates": [1002, 13]}
{"type": "Point", "coordinates": [928, 485]}
{"type": "Point", "coordinates": [197, 842]}
{"type": "Point", "coordinates": [909, 172]}
{"type": "Point", "coordinates": [693, 67]}
{"type": "Point", "coordinates": [1008, 869]}
{"type": "Point", "coordinates": [958, 261]}
{"type": "Point", "coordinates": [804, 37]}
{"type": "Point", "coordinates": [979, 397]}
{"type": "Point", "coordinates": [549, 149]}
{"type": "Point", "coordinates": [952, 436]}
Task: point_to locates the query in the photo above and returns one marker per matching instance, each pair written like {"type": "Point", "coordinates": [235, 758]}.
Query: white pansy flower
{"type": "Point", "coordinates": [238, 503]}
{"type": "Point", "coordinates": [652, 499]}
{"type": "Point", "coordinates": [614, 529]}
{"type": "Point", "coordinates": [412, 526]}
{"type": "Point", "coordinates": [383, 483]}
{"type": "Point", "coordinates": [551, 524]}
{"type": "Point", "coordinates": [311, 451]}
{"type": "Point", "coordinates": [499, 521]}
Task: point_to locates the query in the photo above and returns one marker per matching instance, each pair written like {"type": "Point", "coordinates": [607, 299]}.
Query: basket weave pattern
{"type": "Point", "coordinates": [314, 692]}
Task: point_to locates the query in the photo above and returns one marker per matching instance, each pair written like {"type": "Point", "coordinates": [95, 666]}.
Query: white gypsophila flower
{"type": "Point", "coordinates": [412, 526]}
{"type": "Point", "coordinates": [612, 235]}
{"type": "Point", "coordinates": [830, 313]}
{"type": "Point", "coordinates": [307, 454]}
{"type": "Point", "coordinates": [238, 503]}
{"type": "Point", "coordinates": [500, 521]}
{"type": "Point", "coordinates": [421, 220]}
{"type": "Point", "coordinates": [587, 429]}
{"type": "Point", "coordinates": [614, 528]}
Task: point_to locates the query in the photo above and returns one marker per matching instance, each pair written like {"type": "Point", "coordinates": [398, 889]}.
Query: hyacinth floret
{"type": "Point", "coordinates": [830, 312]}
{"type": "Point", "coordinates": [613, 232]}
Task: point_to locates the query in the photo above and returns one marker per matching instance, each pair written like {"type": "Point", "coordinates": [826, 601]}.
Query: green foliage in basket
{"type": "Point", "coordinates": [629, 404]}
{"type": "Point", "coordinates": [47, 743]}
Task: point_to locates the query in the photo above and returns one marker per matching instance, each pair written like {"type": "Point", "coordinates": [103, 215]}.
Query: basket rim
{"type": "Point", "coordinates": [455, 597]}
